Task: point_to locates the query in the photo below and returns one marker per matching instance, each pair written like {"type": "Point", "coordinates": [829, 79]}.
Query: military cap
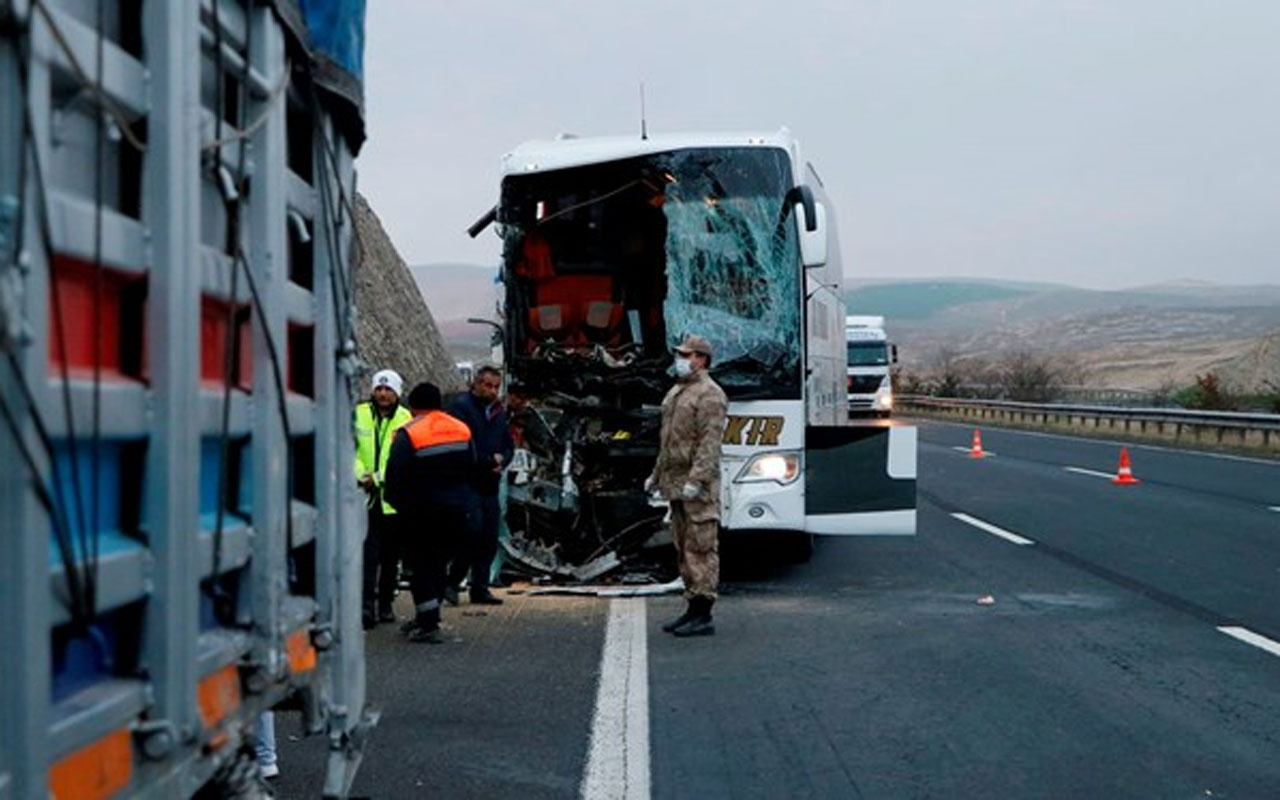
{"type": "Point", "coordinates": [695, 344]}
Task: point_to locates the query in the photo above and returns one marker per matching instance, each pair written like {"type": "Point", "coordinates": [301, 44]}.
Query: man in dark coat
{"type": "Point", "coordinates": [482, 411]}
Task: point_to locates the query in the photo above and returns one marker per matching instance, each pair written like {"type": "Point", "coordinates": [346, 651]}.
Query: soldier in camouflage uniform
{"type": "Point", "coordinates": [688, 476]}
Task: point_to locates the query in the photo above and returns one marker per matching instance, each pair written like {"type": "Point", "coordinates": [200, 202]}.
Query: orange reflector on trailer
{"type": "Point", "coordinates": [218, 695]}
{"type": "Point", "coordinates": [301, 654]}
{"type": "Point", "coordinates": [97, 770]}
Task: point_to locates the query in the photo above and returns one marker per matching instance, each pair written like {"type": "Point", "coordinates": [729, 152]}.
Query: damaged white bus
{"type": "Point", "coordinates": [613, 250]}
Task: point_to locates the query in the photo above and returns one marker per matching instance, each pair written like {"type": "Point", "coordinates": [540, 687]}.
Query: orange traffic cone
{"type": "Point", "coordinates": [976, 450]}
{"type": "Point", "coordinates": [1125, 474]}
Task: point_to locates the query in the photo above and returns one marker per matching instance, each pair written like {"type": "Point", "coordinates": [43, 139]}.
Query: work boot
{"type": "Point", "coordinates": [368, 617]}
{"type": "Point", "coordinates": [430, 635]}
{"type": "Point", "coordinates": [426, 619]}
{"type": "Point", "coordinates": [385, 614]}
{"type": "Point", "coordinates": [700, 623]}
{"type": "Point", "coordinates": [680, 620]}
{"type": "Point", "coordinates": [485, 598]}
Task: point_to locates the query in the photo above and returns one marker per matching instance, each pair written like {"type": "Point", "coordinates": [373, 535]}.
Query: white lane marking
{"type": "Point", "coordinates": [992, 529]}
{"type": "Point", "coordinates": [1093, 472]}
{"type": "Point", "coordinates": [1248, 636]}
{"type": "Point", "coordinates": [1113, 442]}
{"type": "Point", "coordinates": [618, 758]}
{"type": "Point", "coordinates": [986, 453]}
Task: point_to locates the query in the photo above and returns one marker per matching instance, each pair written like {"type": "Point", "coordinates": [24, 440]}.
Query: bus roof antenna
{"type": "Point", "coordinates": [644, 129]}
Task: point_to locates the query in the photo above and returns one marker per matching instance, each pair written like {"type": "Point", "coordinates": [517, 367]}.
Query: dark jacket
{"type": "Point", "coordinates": [491, 435]}
{"type": "Point", "coordinates": [431, 463]}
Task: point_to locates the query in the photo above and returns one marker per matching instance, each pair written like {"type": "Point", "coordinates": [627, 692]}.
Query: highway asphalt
{"type": "Point", "coordinates": [1046, 634]}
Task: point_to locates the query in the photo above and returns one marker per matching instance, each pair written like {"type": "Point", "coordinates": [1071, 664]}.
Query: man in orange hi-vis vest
{"type": "Point", "coordinates": [432, 459]}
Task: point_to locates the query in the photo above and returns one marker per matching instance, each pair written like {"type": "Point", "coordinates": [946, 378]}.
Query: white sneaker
{"type": "Point", "coordinates": [269, 771]}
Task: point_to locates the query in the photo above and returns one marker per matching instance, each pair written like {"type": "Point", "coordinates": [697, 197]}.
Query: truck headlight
{"type": "Point", "coordinates": [782, 468]}
{"type": "Point", "coordinates": [884, 395]}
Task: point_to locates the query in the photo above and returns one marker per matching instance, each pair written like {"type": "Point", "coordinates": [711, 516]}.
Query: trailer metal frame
{"type": "Point", "coordinates": [180, 700]}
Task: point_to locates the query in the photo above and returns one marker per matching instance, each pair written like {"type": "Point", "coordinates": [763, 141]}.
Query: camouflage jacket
{"type": "Point", "coordinates": [692, 429]}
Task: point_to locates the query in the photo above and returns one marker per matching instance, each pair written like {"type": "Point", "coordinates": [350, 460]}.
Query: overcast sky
{"type": "Point", "coordinates": [1105, 143]}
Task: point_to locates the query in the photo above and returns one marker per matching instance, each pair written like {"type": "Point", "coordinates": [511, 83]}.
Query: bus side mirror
{"type": "Point", "coordinates": [813, 224]}
{"type": "Point", "coordinates": [496, 338]}
{"type": "Point", "coordinates": [893, 349]}
{"type": "Point", "coordinates": [813, 241]}
{"type": "Point", "coordinates": [805, 207]}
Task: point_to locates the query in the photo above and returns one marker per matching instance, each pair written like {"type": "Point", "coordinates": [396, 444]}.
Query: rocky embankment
{"type": "Point", "coordinates": [394, 327]}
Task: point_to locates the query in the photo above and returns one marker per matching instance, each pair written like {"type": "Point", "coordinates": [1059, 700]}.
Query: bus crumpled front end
{"type": "Point", "coordinates": [606, 267]}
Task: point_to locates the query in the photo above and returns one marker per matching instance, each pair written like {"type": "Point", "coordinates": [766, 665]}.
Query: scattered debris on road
{"type": "Point", "coordinates": [608, 590]}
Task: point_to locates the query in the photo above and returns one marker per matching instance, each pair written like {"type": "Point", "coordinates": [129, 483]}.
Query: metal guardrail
{"type": "Point", "coordinates": [1216, 429]}
{"type": "Point", "coordinates": [1080, 394]}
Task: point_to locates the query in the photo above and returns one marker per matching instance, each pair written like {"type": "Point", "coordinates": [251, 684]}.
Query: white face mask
{"type": "Point", "coordinates": [683, 367]}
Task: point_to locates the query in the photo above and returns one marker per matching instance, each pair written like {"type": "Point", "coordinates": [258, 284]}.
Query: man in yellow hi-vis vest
{"type": "Point", "coordinates": [377, 420]}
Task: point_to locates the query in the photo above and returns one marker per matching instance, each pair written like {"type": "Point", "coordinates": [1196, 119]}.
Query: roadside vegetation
{"type": "Point", "coordinates": [1022, 375]}
{"type": "Point", "coordinates": [1210, 393]}
{"type": "Point", "coordinates": [1038, 377]}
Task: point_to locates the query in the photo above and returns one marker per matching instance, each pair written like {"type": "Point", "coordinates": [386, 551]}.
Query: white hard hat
{"type": "Point", "coordinates": [390, 379]}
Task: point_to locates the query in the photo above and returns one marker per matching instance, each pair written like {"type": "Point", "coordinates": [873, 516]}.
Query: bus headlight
{"type": "Point", "coordinates": [782, 468]}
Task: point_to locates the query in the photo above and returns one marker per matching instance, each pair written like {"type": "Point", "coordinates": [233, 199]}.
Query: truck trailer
{"type": "Point", "coordinates": [613, 249]}
{"type": "Point", "coordinates": [182, 538]}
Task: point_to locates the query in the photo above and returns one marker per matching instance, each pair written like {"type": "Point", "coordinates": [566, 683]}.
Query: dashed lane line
{"type": "Point", "coordinates": [1093, 472]}
{"type": "Point", "coordinates": [618, 759]}
{"type": "Point", "coordinates": [1249, 637]}
{"type": "Point", "coordinates": [1235, 631]}
{"type": "Point", "coordinates": [1266, 462]}
{"type": "Point", "coordinates": [1109, 476]}
{"type": "Point", "coordinates": [985, 453]}
{"type": "Point", "coordinates": [992, 529]}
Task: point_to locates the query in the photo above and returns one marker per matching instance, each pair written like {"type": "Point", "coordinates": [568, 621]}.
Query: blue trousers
{"type": "Point", "coordinates": [478, 546]}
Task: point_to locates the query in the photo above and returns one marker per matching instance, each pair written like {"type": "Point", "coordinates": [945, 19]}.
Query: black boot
{"type": "Point", "coordinates": [680, 620]}
{"type": "Point", "coordinates": [426, 627]}
{"type": "Point", "coordinates": [485, 598]}
{"type": "Point", "coordinates": [385, 613]}
{"type": "Point", "coordinates": [700, 623]}
{"type": "Point", "coordinates": [429, 635]}
{"type": "Point", "coordinates": [368, 615]}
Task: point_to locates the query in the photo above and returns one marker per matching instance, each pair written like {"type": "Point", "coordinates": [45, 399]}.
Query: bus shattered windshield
{"type": "Point", "coordinates": [631, 255]}
{"type": "Point", "coordinates": [606, 268]}
{"type": "Point", "coordinates": [731, 260]}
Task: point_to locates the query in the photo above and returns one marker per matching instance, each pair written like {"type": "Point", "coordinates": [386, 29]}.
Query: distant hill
{"type": "Point", "coordinates": [929, 299]}
{"type": "Point", "coordinates": [457, 290]}
{"type": "Point", "coordinates": [921, 300]}
{"type": "Point", "coordinates": [1140, 338]}
{"type": "Point", "coordinates": [456, 293]}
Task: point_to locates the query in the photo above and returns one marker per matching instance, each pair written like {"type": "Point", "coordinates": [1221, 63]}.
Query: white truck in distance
{"type": "Point", "coordinates": [870, 356]}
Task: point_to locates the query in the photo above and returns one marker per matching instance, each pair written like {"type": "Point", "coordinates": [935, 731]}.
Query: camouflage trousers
{"type": "Point", "coordinates": [698, 547]}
